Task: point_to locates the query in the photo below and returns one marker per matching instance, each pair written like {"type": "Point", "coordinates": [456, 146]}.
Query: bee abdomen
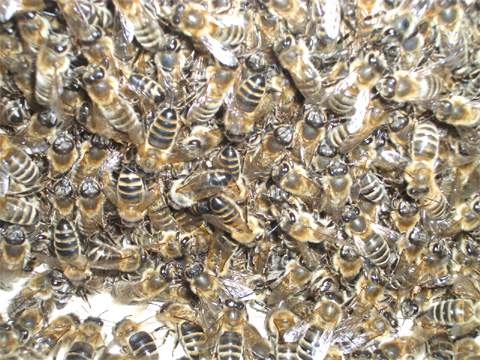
{"type": "Point", "coordinates": [250, 93]}
{"type": "Point", "coordinates": [43, 84]}
{"type": "Point", "coordinates": [130, 187]}
{"type": "Point", "coordinates": [143, 345]}
{"type": "Point", "coordinates": [337, 135]}
{"type": "Point", "coordinates": [193, 338]}
{"type": "Point", "coordinates": [230, 346]}
{"type": "Point", "coordinates": [80, 351]}
{"type": "Point", "coordinates": [436, 208]}
{"type": "Point", "coordinates": [425, 142]}
{"type": "Point", "coordinates": [163, 130]}
{"type": "Point", "coordinates": [307, 343]}
{"type": "Point", "coordinates": [232, 36]}
{"type": "Point", "coordinates": [21, 212]}
{"type": "Point", "coordinates": [451, 312]}
{"type": "Point", "coordinates": [204, 111]}
{"type": "Point", "coordinates": [286, 351]}
{"type": "Point", "coordinates": [341, 104]}
{"type": "Point", "coordinates": [228, 159]}
{"type": "Point", "coordinates": [372, 189]}
{"type": "Point", "coordinates": [377, 251]}
{"type": "Point", "coordinates": [23, 169]}
{"type": "Point", "coordinates": [66, 242]}
{"type": "Point", "coordinates": [148, 33]}
{"type": "Point", "coordinates": [434, 86]}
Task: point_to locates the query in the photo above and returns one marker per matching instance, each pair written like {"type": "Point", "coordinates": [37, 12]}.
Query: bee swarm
{"type": "Point", "coordinates": [318, 160]}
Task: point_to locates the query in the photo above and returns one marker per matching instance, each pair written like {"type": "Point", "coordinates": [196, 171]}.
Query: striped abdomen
{"type": "Point", "coordinates": [452, 312]}
{"type": "Point", "coordinates": [65, 241]}
{"type": "Point", "coordinates": [230, 346]}
{"type": "Point", "coordinates": [435, 204]}
{"type": "Point", "coordinates": [147, 31]}
{"type": "Point", "coordinates": [149, 88]}
{"type": "Point", "coordinates": [80, 351]}
{"type": "Point", "coordinates": [124, 119]}
{"type": "Point", "coordinates": [192, 338]}
{"type": "Point", "coordinates": [161, 218]}
{"type": "Point", "coordinates": [130, 188]}
{"type": "Point", "coordinates": [310, 83]}
{"type": "Point", "coordinates": [22, 168]}
{"type": "Point", "coordinates": [377, 251]}
{"type": "Point", "coordinates": [142, 346]}
{"type": "Point", "coordinates": [232, 35]}
{"type": "Point", "coordinates": [372, 188]}
{"type": "Point", "coordinates": [286, 351]}
{"type": "Point", "coordinates": [19, 211]}
{"type": "Point", "coordinates": [163, 130]}
{"type": "Point", "coordinates": [431, 86]}
{"type": "Point", "coordinates": [229, 160]}
{"type": "Point", "coordinates": [250, 93]}
{"type": "Point", "coordinates": [341, 102]}
{"type": "Point", "coordinates": [337, 135]}
{"type": "Point", "coordinates": [308, 343]}
{"type": "Point", "coordinates": [226, 210]}
{"type": "Point", "coordinates": [204, 108]}
{"type": "Point", "coordinates": [425, 142]}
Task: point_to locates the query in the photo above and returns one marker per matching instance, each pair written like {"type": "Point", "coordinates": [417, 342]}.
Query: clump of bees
{"type": "Point", "coordinates": [317, 160]}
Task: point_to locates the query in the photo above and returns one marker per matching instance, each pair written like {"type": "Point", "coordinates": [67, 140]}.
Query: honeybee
{"type": "Point", "coordinates": [130, 196]}
{"type": "Point", "coordinates": [183, 319]}
{"type": "Point", "coordinates": [271, 148]}
{"type": "Point", "coordinates": [9, 338]}
{"type": "Point", "coordinates": [348, 263]}
{"type": "Point", "coordinates": [161, 135]}
{"type": "Point", "coordinates": [466, 215]}
{"type": "Point", "coordinates": [229, 160]}
{"type": "Point", "coordinates": [148, 88]}
{"type": "Point", "coordinates": [34, 30]}
{"type": "Point", "coordinates": [104, 92]}
{"type": "Point", "coordinates": [16, 165]}
{"type": "Point", "coordinates": [13, 114]}
{"type": "Point", "coordinates": [211, 32]}
{"type": "Point", "coordinates": [346, 136]}
{"type": "Point", "coordinates": [457, 111]}
{"type": "Point", "coordinates": [337, 186]}
{"type": "Point", "coordinates": [371, 188]}
{"type": "Point", "coordinates": [68, 250]}
{"type": "Point", "coordinates": [239, 119]}
{"type": "Point", "coordinates": [279, 321]}
{"type": "Point", "coordinates": [370, 239]}
{"type": "Point", "coordinates": [29, 322]}
{"type": "Point", "coordinates": [134, 341]}
{"type": "Point", "coordinates": [354, 91]}
{"type": "Point", "coordinates": [87, 340]}
{"type": "Point", "coordinates": [151, 285]}
{"type": "Point", "coordinates": [19, 211]}
{"type": "Point", "coordinates": [201, 140]}
{"type": "Point", "coordinates": [400, 348]}
{"type": "Point", "coordinates": [15, 248]}
{"type": "Point", "coordinates": [222, 212]}
{"type": "Point", "coordinates": [58, 331]}
{"type": "Point", "coordinates": [400, 126]}
{"type": "Point", "coordinates": [294, 12]}
{"type": "Point", "coordinates": [405, 215]}
{"type": "Point", "coordinates": [90, 207]}
{"type": "Point", "coordinates": [308, 133]}
{"type": "Point", "coordinates": [52, 62]}
{"type": "Point", "coordinates": [108, 257]}
{"type": "Point", "coordinates": [237, 338]}
{"type": "Point", "coordinates": [62, 153]}
{"type": "Point", "coordinates": [146, 28]}
{"type": "Point", "coordinates": [63, 197]}
{"type": "Point", "coordinates": [294, 280]}
{"type": "Point", "coordinates": [219, 85]}
{"type": "Point", "coordinates": [411, 87]}
{"type": "Point", "coordinates": [42, 129]}
{"type": "Point", "coordinates": [93, 155]}
{"type": "Point", "coordinates": [294, 56]}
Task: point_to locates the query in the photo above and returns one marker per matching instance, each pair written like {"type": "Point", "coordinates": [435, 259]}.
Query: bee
{"type": "Point", "coordinates": [401, 127]}
{"type": "Point", "coordinates": [346, 136]}
{"type": "Point", "coordinates": [222, 212]}
{"type": "Point", "coordinates": [237, 337]}
{"type": "Point", "coordinates": [161, 136]}
{"type": "Point", "coordinates": [15, 248]}
{"type": "Point", "coordinates": [58, 331]}
{"type": "Point", "coordinates": [400, 348]}
{"type": "Point", "coordinates": [107, 257]}
{"type": "Point", "coordinates": [219, 85]}
{"type": "Point", "coordinates": [229, 160]}
{"type": "Point", "coordinates": [369, 238]}
{"type": "Point", "coordinates": [337, 186]}
{"type": "Point", "coordinates": [9, 338]}
{"type": "Point", "coordinates": [457, 111]}
{"type": "Point", "coordinates": [183, 319]}
{"type": "Point", "coordinates": [68, 250]}
{"type": "Point", "coordinates": [13, 114]}
{"type": "Point", "coordinates": [348, 263]}
{"type": "Point", "coordinates": [294, 12]}
{"type": "Point", "coordinates": [62, 153]}
{"type": "Point", "coordinates": [90, 207]}
{"type": "Point", "coordinates": [319, 334]}
{"type": "Point", "coordinates": [87, 341]}
{"type": "Point", "coordinates": [466, 215]}
{"type": "Point", "coordinates": [16, 165]}
{"type": "Point", "coordinates": [411, 87]}
{"type": "Point", "coordinates": [279, 322]}
{"type": "Point", "coordinates": [308, 133]}
{"type": "Point", "coordinates": [371, 188]}
{"type": "Point", "coordinates": [354, 90]}
{"type": "Point", "coordinates": [42, 128]}
{"type": "Point", "coordinates": [136, 342]}
{"type": "Point", "coordinates": [211, 32]}
{"type": "Point", "coordinates": [93, 155]}
{"type": "Point", "coordinates": [63, 197]}
{"type": "Point", "coordinates": [201, 140]}
{"type": "Point", "coordinates": [294, 56]}
{"type": "Point", "coordinates": [130, 196]}
{"type": "Point", "coordinates": [148, 88]}
{"type": "Point", "coordinates": [29, 322]}
{"type": "Point", "coordinates": [295, 279]}
{"type": "Point", "coordinates": [467, 348]}
{"type": "Point", "coordinates": [19, 211]}
{"type": "Point", "coordinates": [104, 92]}
{"type": "Point", "coordinates": [52, 62]}
{"type": "Point", "coordinates": [272, 148]}
{"type": "Point", "coordinates": [440, 346]}
{"type": "Point", "coordinates": [151, 285]}
{"type": "Point", "coordinates": [146, 28]}
{"type": "Point", "coordinates": [198, 186]}
{"type": "Point", "coordinates": [239, 119]}
{"type": "Point", "coordinates": [405, 215]}
{"type": "Point", "coordinates": [34, 30]}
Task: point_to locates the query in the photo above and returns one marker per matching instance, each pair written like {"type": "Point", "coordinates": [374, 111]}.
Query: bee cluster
{"type": "Point", "coordinates": [314, 159]}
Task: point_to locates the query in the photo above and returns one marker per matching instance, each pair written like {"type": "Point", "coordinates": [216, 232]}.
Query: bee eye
{"type": "Point", "coordinates": [292, 218]}
{"type": "Point", "coordinates": [476, 207]}
{"type": "Point", "coordinates": [60, 48]}
{"type": "Point", "coordinates": [287, 42]}
{"type": "Point", "coordinates": [285, 169]}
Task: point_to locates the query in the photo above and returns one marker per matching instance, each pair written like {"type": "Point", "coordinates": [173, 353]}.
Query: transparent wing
{"type": "Point", "coordinates": [223, 55]}
{"type": "Point", "coordinates": [296, 332]}
{"type": "Point", "coordinates": [4, 179]}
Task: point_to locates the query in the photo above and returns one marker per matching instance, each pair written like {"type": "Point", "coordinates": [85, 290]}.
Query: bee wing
{"type": "Point", "coordinates": [463, 286]}
{"type": "Point", "coordinates": [8, 9]}
{"type": "Point", "coordinates": [256, 343]}
{"type": "Point", "coordinates": [293, 334]}
{"type": "Point", "coordinates": [223, 55]}
{"type": "Point", "coordinates": [332, 18]}
{"type": "Point", "coordinates": [230, 20]}
{"type": "Point", "coordinates": [4, 179]}
{"type": "Point", "coordinates": [386, 233]}
{"type": "Point", "coordinates": [357, 120]}
{"type": "Point", "coordinates": [322, 345]}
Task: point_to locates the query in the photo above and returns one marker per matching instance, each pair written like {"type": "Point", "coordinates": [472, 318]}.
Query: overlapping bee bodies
{"type": "Point", "coordinates": [315, 160]}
